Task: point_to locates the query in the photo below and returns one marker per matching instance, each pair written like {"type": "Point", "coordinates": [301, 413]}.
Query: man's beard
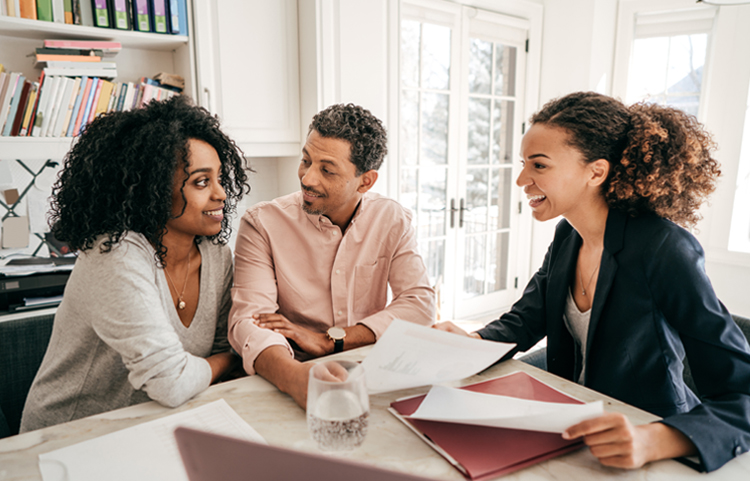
{"type": "Point", "coordinates": [310, 210]}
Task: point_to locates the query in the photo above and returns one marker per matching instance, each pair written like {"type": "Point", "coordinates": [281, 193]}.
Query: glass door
{"type": "Point", "coordinates": [460, 97]}
{"type": "Point", "coordinates": [488, 208]}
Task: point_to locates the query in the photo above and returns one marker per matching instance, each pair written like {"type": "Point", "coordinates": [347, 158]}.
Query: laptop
{"type": "Point", "coordinates": [211, 457]}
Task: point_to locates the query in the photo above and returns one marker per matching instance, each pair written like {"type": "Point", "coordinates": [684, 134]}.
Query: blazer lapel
{"type": "Point", "coordinates": [561, 347]}
{"type": "Point", "coordinates": [613, 242]}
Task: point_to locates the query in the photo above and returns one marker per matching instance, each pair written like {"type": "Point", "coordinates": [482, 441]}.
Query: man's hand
{"type": "Point", "coordinates": [448, 326]}
{"type": "Point", "coordinates": [314, 343]}
{"type": "Point", "coordinates": [616, 442]}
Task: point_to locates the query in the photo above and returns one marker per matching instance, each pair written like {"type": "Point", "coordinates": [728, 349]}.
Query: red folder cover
{"type": "Point", "coordinates": [482, 452]}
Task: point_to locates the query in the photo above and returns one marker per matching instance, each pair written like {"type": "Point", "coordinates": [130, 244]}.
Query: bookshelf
{"type": "Point", "coordinates": [143, 54]}
{"type": "Point", "coordinates": [38, 29]}
{"type": "Point", "coordinates": [240, 61]}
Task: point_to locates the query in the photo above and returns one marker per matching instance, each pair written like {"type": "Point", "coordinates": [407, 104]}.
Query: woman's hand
{"type": "Point", "coordinates": [448, 326]}
{"type": "Point", "coordinates": [315, 343]}
{"type": "Point", "coordinates": [616, 442]}
{"type": "Point", "coordinates": [221, 364]}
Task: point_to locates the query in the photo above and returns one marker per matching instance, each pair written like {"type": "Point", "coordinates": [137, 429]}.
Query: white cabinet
{"type": "Point", "coordinates": [143, 54]}
{"type": "Point", "coordinates": [248, 71]}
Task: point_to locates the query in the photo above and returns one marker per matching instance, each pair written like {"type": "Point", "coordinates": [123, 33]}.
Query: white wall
{"type": "Point", "coordinates": [344, 58]}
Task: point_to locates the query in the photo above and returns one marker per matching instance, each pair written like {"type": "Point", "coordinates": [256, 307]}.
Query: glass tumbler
{"type": "Point", "coordinates": [338, 406]}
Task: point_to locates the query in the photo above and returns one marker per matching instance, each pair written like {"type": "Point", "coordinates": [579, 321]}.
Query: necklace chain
{"type": "Point", "coordinates": [583, 289]}
{"type": "Point", "coordinates": [180, 303]}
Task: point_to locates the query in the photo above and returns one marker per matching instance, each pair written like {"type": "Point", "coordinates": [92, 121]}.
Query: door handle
{"type": "Point", "coordinates": [461, 210]}
{"type": "Point", "coordinates": [453, 213]}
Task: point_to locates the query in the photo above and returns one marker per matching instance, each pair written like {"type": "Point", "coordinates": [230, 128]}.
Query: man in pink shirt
{"type": "Point", "coordinates": [313, 268]}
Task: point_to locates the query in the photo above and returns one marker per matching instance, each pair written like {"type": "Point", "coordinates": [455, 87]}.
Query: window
{"type": "Point", "coordinates": [461, 107]}
{"type": "Point", "coordinates": [668, 58]}
{"type": "Point", "coordinates": [739, 234]}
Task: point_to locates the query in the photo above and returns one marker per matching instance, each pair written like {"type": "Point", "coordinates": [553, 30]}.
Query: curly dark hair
{"type": "Point", "coordinates": [660, 157]}
{"type": "Point", "coordinates": [364, 132]}
{"type": "Point", "coordinates": [119, 175]}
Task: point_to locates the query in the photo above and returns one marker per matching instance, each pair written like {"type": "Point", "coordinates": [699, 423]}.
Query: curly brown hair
{"type": "Point", "coordinates": [660, 157]}
{"type": "Point", "coordinates": [119, 175]}
{"type": "Point", "coordinates": [364, 132]}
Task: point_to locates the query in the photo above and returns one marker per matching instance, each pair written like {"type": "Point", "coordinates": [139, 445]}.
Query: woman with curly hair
{"type": "Point", "coordinates": [145, 197]}
{"type": "Point", "coordinates": [622, 295]}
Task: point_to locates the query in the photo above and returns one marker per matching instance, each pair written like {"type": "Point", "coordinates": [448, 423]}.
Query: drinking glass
{"type": "Point", "coordinates": [338, 406]}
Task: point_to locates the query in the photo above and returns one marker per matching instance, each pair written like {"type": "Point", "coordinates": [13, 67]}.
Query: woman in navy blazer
{"type": "Point", "coordinates": [622, 294]}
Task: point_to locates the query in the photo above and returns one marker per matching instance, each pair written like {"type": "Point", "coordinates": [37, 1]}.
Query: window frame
{"type": "Point", "coordinates": [527, 13]}
{"type": "Point", "coordinates": [726, 80]}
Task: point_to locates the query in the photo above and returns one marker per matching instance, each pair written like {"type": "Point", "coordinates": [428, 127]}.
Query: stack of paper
{"type": "Point", "coordinates": [144, 452]}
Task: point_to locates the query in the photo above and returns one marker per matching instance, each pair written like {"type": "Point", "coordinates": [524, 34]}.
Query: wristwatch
{"type": "Point", "coordinates": [337, 335]}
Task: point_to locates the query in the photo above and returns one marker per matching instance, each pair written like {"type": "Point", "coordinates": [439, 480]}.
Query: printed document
{"type": "Point", "coordinates": [144, 452]}
{"type": "Point", "coordinates": [409, 355]}
{"type": "Point", "coordinates": [466, 407]}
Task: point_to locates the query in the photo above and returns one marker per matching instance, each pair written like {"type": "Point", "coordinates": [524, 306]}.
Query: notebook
{"type": "Point", "coordinates": [481, 452]}
{"type": "Point", "coordinates": [211, 457]}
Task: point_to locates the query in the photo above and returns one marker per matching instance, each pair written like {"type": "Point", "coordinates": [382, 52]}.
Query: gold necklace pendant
{"type": "Point", "coordinates": [180, 303]}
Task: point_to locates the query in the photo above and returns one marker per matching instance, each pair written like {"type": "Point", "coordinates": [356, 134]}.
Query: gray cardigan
{"type": "Point", "coordinates": [117, 339]}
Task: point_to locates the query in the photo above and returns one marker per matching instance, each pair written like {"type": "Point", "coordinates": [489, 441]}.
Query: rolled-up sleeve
{"type": "Point", "coordinates": [254, 292]}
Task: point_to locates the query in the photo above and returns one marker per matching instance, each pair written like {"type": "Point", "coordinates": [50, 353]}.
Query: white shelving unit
{"type": "Point", "coordinates": [143, 54]}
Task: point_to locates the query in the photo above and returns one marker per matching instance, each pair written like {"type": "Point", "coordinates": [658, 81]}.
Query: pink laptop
{"type": "Point", "coordinates": [211, 457]}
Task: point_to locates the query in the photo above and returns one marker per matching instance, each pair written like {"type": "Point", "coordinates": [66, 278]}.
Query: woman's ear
{"type": "Point", "coordinates": [599, 170]}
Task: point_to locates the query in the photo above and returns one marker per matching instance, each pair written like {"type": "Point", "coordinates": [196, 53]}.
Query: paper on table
{"type": "Point", "coordinates": [466, 407]}
{"type": "Point", "coordinates": [409, 355]}
{"type": "Point", "coordinates": [144, 452]}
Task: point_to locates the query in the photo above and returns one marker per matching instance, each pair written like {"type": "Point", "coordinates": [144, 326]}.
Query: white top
{"type": "Point", "coordinates": [577, 323]}
{"type": "Point", "coordinates": [117, 339]}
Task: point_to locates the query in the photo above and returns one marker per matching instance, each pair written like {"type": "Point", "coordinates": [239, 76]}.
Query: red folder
{"type": "Point", "coordinates": [482, 452]}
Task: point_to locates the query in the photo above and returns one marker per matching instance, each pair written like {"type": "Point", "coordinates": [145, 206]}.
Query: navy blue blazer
{"type": "Point", "coordinates": [653, 305]}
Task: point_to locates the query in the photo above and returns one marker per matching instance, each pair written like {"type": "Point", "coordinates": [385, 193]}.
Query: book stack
{"type": "Point", "coordinates": [160, 16]}
{"type": "Point", "coordinates": [71, 93]}
{"type": "Point", "coordinates": [77, 58]}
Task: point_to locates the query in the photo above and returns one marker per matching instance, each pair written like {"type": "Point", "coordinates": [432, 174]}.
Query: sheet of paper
{"type": "Point", "coordinates": [38, 205]}
{"type": "Point", "coordinates": [409, 355]}
{"type": "Point", "coordinates": [466, 407]}
{"type": "Point", "coordinates": [144, 452]}
{"type": "Point", "coordinates": [6, 177]}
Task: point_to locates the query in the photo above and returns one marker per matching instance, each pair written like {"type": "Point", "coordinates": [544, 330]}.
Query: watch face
{"type": "Point", "coordinates": [336, 333]}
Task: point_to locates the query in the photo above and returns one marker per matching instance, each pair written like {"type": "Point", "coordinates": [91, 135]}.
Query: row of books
{"type": "Point", "coordinates": [62, 106]}
{"type": "Point", "coordinates": [160, 16]}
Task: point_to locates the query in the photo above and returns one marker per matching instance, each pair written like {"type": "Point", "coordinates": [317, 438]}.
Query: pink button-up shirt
{"type": "Point", "coordinates": [299, 265]}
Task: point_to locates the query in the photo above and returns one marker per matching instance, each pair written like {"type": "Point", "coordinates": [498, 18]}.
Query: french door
{"type": "Point", "coordinates": [461, 112]}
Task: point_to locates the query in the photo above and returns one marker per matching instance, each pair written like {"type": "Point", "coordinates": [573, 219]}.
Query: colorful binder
{"type": "Point", "coordinates": [120, 15]}
{"type": "Point", "coordinates": [481, 452]}
{"type": "Point", "coordinates": [141, 15]}
{"type": "Point", "coordinates": [159, 16]}
{"type": "Point", "coordinates": [101, 13]}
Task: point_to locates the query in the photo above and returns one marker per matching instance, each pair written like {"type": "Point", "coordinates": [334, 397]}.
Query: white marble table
{"type": "Point", "coordinates": [389, 443]}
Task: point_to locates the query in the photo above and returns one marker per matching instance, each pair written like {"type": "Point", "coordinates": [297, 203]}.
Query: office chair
{"type": "Point", "coordinates": [23, 343]}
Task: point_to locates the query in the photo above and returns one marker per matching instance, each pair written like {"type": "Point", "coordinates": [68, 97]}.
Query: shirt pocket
{"type": "Point", "coordinates": [370, 287]}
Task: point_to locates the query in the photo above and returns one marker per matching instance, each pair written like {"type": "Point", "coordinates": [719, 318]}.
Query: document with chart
{"type": "Point", "coordinates": [409, 355]}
